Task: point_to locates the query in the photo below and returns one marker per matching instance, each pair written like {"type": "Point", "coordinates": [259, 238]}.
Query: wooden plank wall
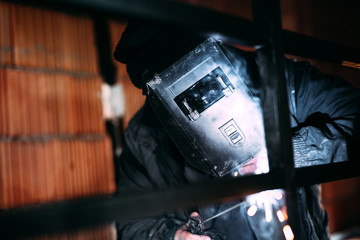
{"type": "Point", "coordinates": [53, 143]}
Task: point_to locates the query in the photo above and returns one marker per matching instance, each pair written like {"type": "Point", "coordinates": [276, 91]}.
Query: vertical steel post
{"type": "Point", "coordinates": [108, 74]}
{"type": "Point", "coordinates": [267, 16]}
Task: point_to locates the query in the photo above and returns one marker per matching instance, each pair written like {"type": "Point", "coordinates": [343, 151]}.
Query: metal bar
{"type": "Point", "coordinates": [275, 103]}
{"type": "Point", "coordinates": [104, 51]}
{"type": "Point", "coordinates": [272, 76]}
{"type": "Point", "coordinates": [327, 172]}
{"type": "Point", "coordinates": [309, 47]}
{"type": "Point", "coordinates": [87, 212]}
{"type": "Point", "coordinates": [166, 13]}
{"type": "Point", "coordinates": [205, 21]}
{"type": "Point", "coordinates": [93, 211]}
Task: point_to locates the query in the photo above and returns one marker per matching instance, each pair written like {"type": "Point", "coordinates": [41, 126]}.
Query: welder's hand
{"type": "Point", "coordinates": [183, 234]}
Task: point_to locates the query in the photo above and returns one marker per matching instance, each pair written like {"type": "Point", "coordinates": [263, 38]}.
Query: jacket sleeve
{"type": "Point", "coordinates": [326, 114]}
{"type": "Point", "coordinates": [139, 169]}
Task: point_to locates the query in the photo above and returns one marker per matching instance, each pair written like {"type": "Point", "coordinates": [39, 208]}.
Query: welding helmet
{"type": "Point", "coordinates": [206, 106]}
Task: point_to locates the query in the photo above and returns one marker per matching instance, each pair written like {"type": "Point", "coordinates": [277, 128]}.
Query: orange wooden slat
{"type": "Point", "coordinates": [3, 176]}
{"type": "Point", "coordinates": [13, 102]}
{"type": "Point", "coordinates": [109, 163]}
{"type": "Point", "coordinates": [9, 190]}
{"type": "Point", "coordinates": [5, 36]}
{"type": "Point", "coordinates": [86, 168]}
{"type": "Point", "coordinates": [16, 177]}
{"type": "Point", "coordinates": [2, 103]}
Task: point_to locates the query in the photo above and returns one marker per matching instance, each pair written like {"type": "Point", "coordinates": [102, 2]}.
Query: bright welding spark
{"type": "Point", "coordinates": [285, 215]}
{"type": "Point", "coordinates": [268, 214]}
{"type": "Point", "coordinates": [280, 216]}
{"type": "Point", "coordinates": [267, 201]}
{"type": "Point", "coordinates": [236, 173]}
{"type": "Point", "coordinates": [277, 195]}
{"type": "Point", "coordinates": [288, 232]}
{"type": "Point", "coordinates": [252, 210]}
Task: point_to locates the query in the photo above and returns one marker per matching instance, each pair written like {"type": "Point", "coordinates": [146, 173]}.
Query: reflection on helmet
{"type": "Point", "coordinates": [208, 110]}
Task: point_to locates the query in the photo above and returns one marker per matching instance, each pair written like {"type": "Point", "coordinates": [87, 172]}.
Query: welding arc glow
{"type": "Point", "coordinates": [268, 213]}
{"type": "Point", "coordinates": [285, 215]}
{"type": "Point", "coordinates": [252, 210]}
{"type": "Point", "coordinates": [280, 216]}
{"type": "Point", "coordinates": [288, 232]}
{"type": "Point", "coordinates": [268, 202]}
{"type": "Point", "coordinates": [277, 194]}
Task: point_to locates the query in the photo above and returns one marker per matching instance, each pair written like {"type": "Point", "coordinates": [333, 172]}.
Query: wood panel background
{"type": "Point", "coordinates": [53, 143]}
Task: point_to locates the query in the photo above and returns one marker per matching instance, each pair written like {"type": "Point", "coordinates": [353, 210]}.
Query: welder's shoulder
{"type": "Point", "coordinates": [144, 133]}
{"type": "Point", "coordinates": [306, 76]}
{"type": "Point", "coordinates": [315, 91]}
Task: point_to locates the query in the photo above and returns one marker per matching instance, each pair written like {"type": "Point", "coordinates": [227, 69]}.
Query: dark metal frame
{"type": "Point", "coordinates": [93, 211]}
{"type": "Point", "coordinates": [266, 35]}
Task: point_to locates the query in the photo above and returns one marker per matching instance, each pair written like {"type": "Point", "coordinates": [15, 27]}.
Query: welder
{"type": "Point", "coordinates": [202, 120]}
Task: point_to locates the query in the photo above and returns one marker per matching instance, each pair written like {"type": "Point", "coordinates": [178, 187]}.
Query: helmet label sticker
{"type": "Point", "coordinates": [232, 133]}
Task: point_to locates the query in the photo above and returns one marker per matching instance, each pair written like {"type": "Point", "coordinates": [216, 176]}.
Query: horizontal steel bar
{"type": "Point", "coordinates": [309, 47]}
{"type": "Point", "coordinates": [167, 13]}
{"type": "Point", "coordinates": [97, 210]}
{"type": "Point", "coordinates": [91, 211]}
{"type": "Point", "coordinates": [205, 21]}
{"type": "Point", "coordinates": [327, 172]}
